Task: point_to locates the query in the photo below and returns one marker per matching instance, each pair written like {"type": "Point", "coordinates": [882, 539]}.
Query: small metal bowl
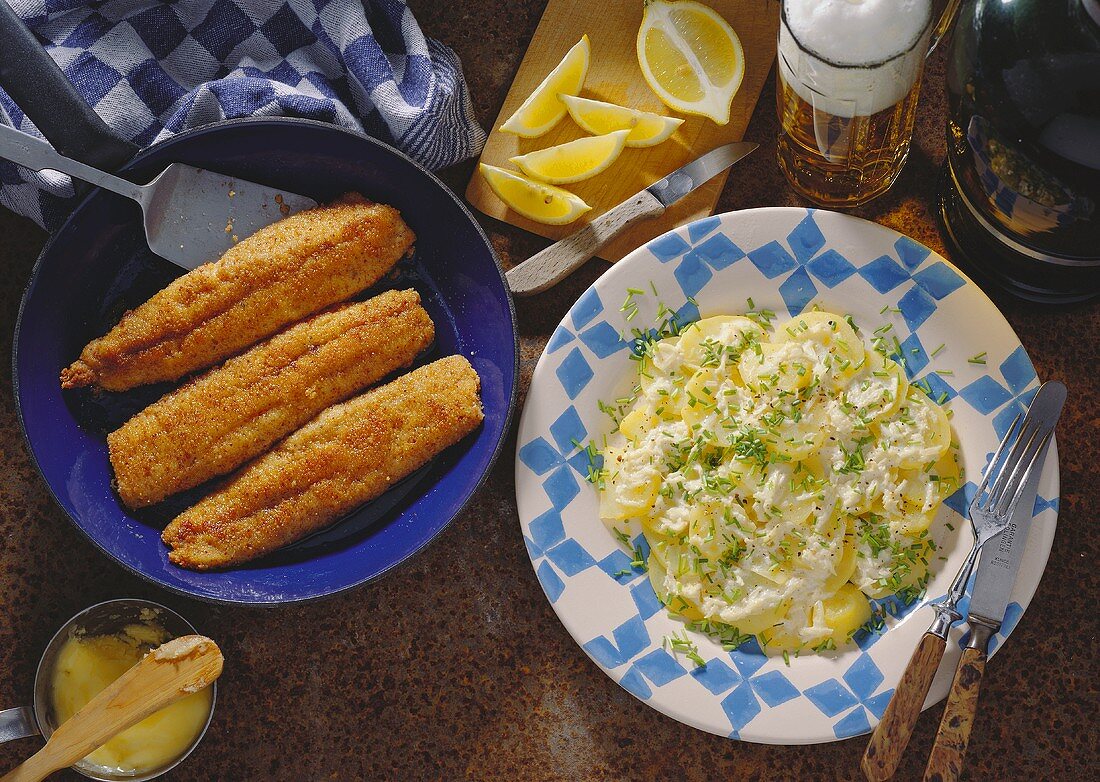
{"type": "Point", "coordinates": [102, 619]}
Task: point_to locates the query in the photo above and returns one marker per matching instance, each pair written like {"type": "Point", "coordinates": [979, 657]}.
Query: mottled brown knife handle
{"type": "Point", "coordinates": [946, 761]}
{"type": "Point", "coordinates": [893, 731]}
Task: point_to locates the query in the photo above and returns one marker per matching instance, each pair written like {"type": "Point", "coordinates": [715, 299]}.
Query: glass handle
{"type": "Point", "coordinates": [944, 25]}
{"type": "Point", "coordinates": [18, 723]}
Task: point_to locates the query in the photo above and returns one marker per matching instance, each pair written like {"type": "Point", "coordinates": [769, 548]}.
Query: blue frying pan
{"type": "Point", "coordinates": [97, 265]}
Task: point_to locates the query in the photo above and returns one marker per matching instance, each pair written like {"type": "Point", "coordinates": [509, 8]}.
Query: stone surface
{"type": "Point", "coordinates": [455, 667]}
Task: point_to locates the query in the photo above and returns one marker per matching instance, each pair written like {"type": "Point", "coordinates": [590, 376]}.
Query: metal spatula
{"type": "Point", "coordinates": [191, 216]}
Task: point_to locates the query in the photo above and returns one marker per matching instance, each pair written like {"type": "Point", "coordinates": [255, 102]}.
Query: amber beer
{"type": "Point", "coordinates": [848, 79]}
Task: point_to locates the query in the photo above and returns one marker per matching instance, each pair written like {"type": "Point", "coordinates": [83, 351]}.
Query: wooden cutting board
{"type": "Point", "coordinates": [614, 76]}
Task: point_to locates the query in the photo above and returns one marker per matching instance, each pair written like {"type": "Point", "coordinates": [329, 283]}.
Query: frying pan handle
{"type": "Point", "coordinates": [41, 90]}
{"type": "Point", "coordinates": [17, 723]}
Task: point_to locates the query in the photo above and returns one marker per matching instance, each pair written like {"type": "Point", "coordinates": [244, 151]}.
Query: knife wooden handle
{"type": "Point", "coordinates": [891, 736]}
{"type": "Point", "coordinates": [946, 761]}
{"type": "Point", "coordinates": [549, 267]}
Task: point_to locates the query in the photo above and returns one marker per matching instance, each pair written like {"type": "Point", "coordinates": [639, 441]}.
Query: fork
{"type": "Point", "coordinates": [989, 512]}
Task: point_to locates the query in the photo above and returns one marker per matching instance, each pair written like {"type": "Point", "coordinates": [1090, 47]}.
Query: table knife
{"type": "Point", "coordinates": [562, 258]}
{"type": "Point", "coordinates": [891, 735]}
{"type": "Point", "coordinates": [993, 581]}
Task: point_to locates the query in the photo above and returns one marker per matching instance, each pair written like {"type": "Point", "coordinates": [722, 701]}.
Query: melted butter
{"type": "Point", "coordinates": [87, 664]}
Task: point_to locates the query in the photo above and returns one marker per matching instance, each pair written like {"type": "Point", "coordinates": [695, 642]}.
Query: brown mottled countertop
{"type": "Point", "coordinates": [455, 666]}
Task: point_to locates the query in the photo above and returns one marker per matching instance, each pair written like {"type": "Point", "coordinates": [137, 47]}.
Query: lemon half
{"type": "Point", "coordinates": [543, 110]}
{"type": "Point", "coordinates": [573, 160]}
{"type": "Point", "coordinates": [597, 117]}
{"type": "Point", "coordinates": [690, 57]}
{"type": "Point", "coordinates": [540, 202]}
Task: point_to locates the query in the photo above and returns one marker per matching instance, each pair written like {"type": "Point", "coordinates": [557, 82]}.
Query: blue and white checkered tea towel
{"type": "Point", "coordinates": [153, 68]}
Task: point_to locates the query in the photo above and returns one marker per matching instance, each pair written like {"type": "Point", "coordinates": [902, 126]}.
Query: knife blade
{"type": "Point", "coordinates": [690, 175]}
{"type": "Point", "coordinates": [1001, 557]}
{"type": "Point", "coordinates": [559, 260]}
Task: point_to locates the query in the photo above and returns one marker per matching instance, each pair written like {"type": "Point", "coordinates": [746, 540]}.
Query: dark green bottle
{"type": "Point", "coordinates": [1021, 191]}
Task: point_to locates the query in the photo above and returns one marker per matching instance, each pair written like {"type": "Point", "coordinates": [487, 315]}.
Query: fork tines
{"type": "Point", "coordinates": [1034, 432]}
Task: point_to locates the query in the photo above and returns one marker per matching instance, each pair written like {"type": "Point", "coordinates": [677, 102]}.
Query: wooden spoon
{"type": "Point", "coordinates": [172, 671]}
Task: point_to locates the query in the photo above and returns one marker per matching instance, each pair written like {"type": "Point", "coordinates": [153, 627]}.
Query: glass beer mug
{"type": "Point", "coordinates": [848, 76]}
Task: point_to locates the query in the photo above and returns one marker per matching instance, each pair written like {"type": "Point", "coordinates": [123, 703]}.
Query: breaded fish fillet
{"type": "Point", "coordinates": [280, 274]}
{"type": "Point", "coordinates": [231, 414]}
{"type": "Point", "coordinates": [348, 455]}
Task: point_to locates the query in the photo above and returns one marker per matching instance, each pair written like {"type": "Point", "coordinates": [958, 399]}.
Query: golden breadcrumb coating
{"type": "Point", "coordinates": [280, 274]}
{"type": "Point", "coordinates": [235, 412]}
{"type": "Point", "coordinates": [346, 456]}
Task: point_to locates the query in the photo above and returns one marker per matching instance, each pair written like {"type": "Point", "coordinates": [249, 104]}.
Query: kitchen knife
{"type": "Point", "coordinates": [993, 581]}
{"type": "Point", "coordinates": [559, 260]}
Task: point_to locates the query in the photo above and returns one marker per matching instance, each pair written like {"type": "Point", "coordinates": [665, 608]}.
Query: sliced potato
{"type": "Point", "coordinates": [912, 568]}
{"type": "Point", "coordinates": [912, 524]}
{"type": "Point", "coordinates": [655, 567]}
{"type": "Point", "coordinates": [846, 612]}
{"type": "Point", "coordinates": [777, 639]}
{"type": "Point", "coordinates": [801, 439]}
{"type": "Point", "coordinates": [674, 603]}
{"type": "Point", "coordinates": [704, 341]}
{"type": "Point", "coordinates": [626, 496]}
{"type": "Point", "coordinates": [844, 558]}
{"type": "Point", "coordinates": [826, 329]}
{"type": "Point", "coordinates": [760, 621]}
{"type": "Point", "coordinates": [637, 422]}
{"type": "Point", "coordinates": [917, 433]}
{"type": "Point", "coordinates": [878, 389]}
{"type": "Point", "coordinates": [700, 398]}
{"type": "Point", "coordinates": [787, 367]}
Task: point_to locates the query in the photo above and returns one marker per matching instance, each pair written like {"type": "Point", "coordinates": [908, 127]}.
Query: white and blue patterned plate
{"type": "Point", "coordinates": [785, 259]}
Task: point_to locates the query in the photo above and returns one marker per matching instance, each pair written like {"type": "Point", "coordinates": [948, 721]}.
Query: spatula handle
{"type": "Point", "coordinates": [549, 267]}
{"type": "Point", "coordinates": [892, 734]}
{"type": "Point", "coordinates": [36, 154]}
{"type": "Point", "coordinates": [948, 753]}
{"type": "Point", "coordinates": [32, 769]}
{"type": "Point", "coordinates": [44, 93]}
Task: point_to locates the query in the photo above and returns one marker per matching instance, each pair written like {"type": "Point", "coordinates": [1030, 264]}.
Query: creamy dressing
{"type": "Point", "coordinates": [762, 464]}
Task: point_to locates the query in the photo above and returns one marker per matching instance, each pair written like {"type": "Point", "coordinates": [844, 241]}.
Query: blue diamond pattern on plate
{"type": "Point", "coordinates": [574, 373]}
{"type": "Point", "coordinates": [568, 431]}
{"type": "Point", "coordinates": [668, 247]}
{"type": "Point", "coordinates": [795, 264]}
{"type": "Point", "coordinates": [718, 252]}
{"type": "Point", "coordinates": [603, 339]}
{"type": "Point", "coordinates": [561, 336]}
{"type": "Point", "coordinates": [586, 309]}
{"type": "Point", "coordinates": [884, 274]}
{"type": "Point", "coordinates": [797, 291]}
{"type": "Point", "coordinates": [692, 274]}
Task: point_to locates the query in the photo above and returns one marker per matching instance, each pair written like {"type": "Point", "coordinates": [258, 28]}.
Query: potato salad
{"type": "Point", "coordinates": [782, 476]}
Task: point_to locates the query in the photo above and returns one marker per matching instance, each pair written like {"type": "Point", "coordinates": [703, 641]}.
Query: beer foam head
{"type": "Point", "coordinates": [853, 57]}
{"type": "Point", "coordinates": [858, 32]}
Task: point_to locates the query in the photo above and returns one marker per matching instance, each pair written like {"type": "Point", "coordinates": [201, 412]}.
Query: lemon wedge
{"type": "Point", "coordinates": [573, 160]}
{"type": "Point", "coordinates": [543, 110]}
{"type": "Point", "coordinates": [535, 200]}
{"type": "Point", "coordinates": [690, 57]}
{"type": "Point", "coordinates": [597, 117]}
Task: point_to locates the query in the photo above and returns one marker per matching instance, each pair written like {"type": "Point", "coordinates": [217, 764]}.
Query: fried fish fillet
{"type": "Point", "coordinates": [346, 456]}
{"type": "Point", "coordinates": [280, 274]}
{"type": "Point", "coordinates": [235, 412]}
